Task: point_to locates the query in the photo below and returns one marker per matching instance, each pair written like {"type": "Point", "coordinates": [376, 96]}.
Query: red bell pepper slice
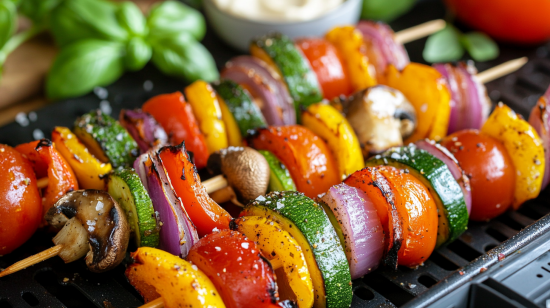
{"type": "Point", "coordinates": [47, 162]}
{"type": "Point", "coordinates": [176, 117]}
{"type": "Point", "coordinates": [204, 212]}
{"type": "Point", "coordinates": [234, 264]}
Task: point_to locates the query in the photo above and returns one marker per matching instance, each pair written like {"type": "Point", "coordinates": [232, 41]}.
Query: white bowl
{"type": "Point", "coordinates": [238, 32]}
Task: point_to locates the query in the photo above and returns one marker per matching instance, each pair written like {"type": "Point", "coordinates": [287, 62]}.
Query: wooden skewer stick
{"type": "Point", "coordinates": [157, 303]}
{"type": "Point", "coordinates": [420, 31]}
{"type": "Point", "coordinates": [501, 70]}
{"type": "Point", "coordinates": [37, 258]}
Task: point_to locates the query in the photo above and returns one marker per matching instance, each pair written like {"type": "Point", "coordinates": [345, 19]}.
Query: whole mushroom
{"type": "Point", "coordinates": [245, 169]}
{"type": "Point", "coordinates": [381, 116]}
{"type": "Point", "coordinates": [92, 224]}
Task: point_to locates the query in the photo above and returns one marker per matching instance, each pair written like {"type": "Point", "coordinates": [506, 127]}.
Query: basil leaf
{"type": "Point", "coordinates": [8, 19]}
{"type": "Point", "coordinates": [138, 53]}
{"type": "Point", "coordinates": [74, 20]}
{"type": "Point", "coordinates": [443, 46]}
{"type": "Point", "coordinates": [385, 10]}
{"type": "Point", "coordinates": [480, 46]}
{"type": "Point", "coordinates": [38, 10]}
{"type": "Point", "coordinates": [171, 18]}
{"type": "Point", "coordinates": [132, 19]}
{"type": "Point", "coordinates": [81, 66]}
{"type": "Point", "coordinates": [183, 56]}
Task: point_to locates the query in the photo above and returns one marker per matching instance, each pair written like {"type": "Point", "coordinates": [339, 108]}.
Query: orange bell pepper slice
{"type": "Point", "coordinates": [156, 273]}
{"type": "Point", "coordinates": [176, 117]}
{"type": "Point", "coordinates": [379, 190]}
{"type": "Point", "coordinates": [429, 94]}
{"type": "Point", "coordinates": [307, 157]}
{"type": "Point", "coordinates": [419, 215]}
{"type": "Point", "coordinates": [46, 161]}
{"type": "Point", "coordinates": [204, 212]}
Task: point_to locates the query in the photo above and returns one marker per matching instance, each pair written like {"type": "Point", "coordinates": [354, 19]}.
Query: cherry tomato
{"type": "Point", "coordinates": [234, 264]}
{"type": "Point", "coordinates": [48, 162]}
{"type": "Point", "coordinates": [204, 212]}
{"type": "Point", "coordinates": [307, 157]}
{"type": "Point", "coordinates": [490, 169]}
{"type": "Point", "coordinates": [20, 205]}
{"type": "Point", "coordinates": [419, 214]}
{"type": "Point", "coordinates": [177, 119]}
{"type": "Point", "coordinates": [506, 20]}
{"type": "Point", "coordinates": [327, 65]}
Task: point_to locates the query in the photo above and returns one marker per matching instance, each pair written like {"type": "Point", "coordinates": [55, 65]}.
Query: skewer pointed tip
{"type": "Point", "coordinates": [501, 70]}
{"type": "Point", "coordinates": [419, 31]}
{"type": "Point", "coordinates": [32, 260]}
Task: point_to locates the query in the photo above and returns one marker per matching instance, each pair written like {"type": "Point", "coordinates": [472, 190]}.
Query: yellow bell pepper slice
{"type": "Point", "coordinates": [87, 168]}
{"type": "Point", "coordinates": [178, 282]}
{"type": "Point", "coordinates": [428, 92]}
{"type": "Point", "coordinates": [206, 107]}
{"type": "Point", "coordinates": [326, 122]}
{"type": "Point", "coordinates": [278, 246]}
{"type": "Point", "coordinates": [320, 298]}
{"type": "Point", "coordinates": [234, 137]}
{"type": "Point", "coordinates": [349, 42]}
{"type": "Point", "coordinates": [525, 148]}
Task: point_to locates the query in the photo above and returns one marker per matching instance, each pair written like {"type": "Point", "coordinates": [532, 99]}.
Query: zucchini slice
{"type": "Point", "coordinates": [279, 178]}
{"type": "Point", "coordinates": [308, 223]}
{"type": "Point", "coordinates": [280, 53]}
{"type": "Point", "coordinates": [125, 186]}
{"type": "Point", "coordinates": [241, 105]}
{"type": "Point", "coordinates": [432, 172]}
{"type": "Point", "coordinates": [106, 139]}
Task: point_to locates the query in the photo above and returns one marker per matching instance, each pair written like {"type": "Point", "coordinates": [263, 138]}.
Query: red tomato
{"type": "Point", "coordinates": [204, 212]}
{"type": "Point", "coordinates": [20, 205]}
{"type": "Point", "coordinates": [234, 264]}
{"type": "Point", "coordinates": [177, 119]}
{"type": "Point", "coordinates": [419, 215]}
{"type": "Point", "coordinates": [48, 162]}
{"type": "Point", "coordinates": [490, 169]}
{"type": "Point", "coordinates": [327, 65]}
{"type": "Point", "coordinates": [306, 156]}
{"type": "Point", "coordinates": [506, 20]}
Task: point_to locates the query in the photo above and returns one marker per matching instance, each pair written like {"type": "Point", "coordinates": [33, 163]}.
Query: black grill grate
{"type": "Point", "coordinates": [54, 284]}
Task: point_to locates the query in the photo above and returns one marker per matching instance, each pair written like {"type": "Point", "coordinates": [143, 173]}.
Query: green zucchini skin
{"type": "Point", "coordinates": [125, 186]}
{"type": "Point", "coordinates": [242, 107]}
{"type": "Point", "coordinates": [300, 78]}
{"type": "Point", "coordinates": [312, 221]}
{"type": "Point", "coordinates": [452, 211]}
{"type": "Point", "coordinates": [279, 178]}
{"type": "Point", "coordinates": [106, 139]}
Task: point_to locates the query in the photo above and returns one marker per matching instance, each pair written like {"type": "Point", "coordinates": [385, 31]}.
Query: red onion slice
{"type": "Point", "coordinates": [384, 49]}
{"type": "Point", "coordinates": [177, 233]}
{"type": "Point", "coordinates": [363, 233]}
{"type": "Point", "coordinates": [447, 70]}
{"type": "Point", "coordinates": [270, 94]}
{"type": "Point", "coordinates": [540, 122]}
{"type": "Point", "coordinates": [470, 105]}
{"type": "Point", "coordinates": [145, 130]}
{"type": "Point", "coordinates": [447, 157]}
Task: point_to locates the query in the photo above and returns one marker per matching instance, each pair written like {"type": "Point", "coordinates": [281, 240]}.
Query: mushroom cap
{"type": "Point", "coordinates": [245, 169]}
{"type": "Point", "coordinates": [104, 220]}
{"type": "Point", "coordinates": [381, 117]}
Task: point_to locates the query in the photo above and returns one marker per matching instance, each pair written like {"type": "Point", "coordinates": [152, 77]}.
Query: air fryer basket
{"type": "Point", "coordinates": [478, 266]}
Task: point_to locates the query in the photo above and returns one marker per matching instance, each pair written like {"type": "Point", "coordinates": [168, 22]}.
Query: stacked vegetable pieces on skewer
{"type": "Point", "coordinates": [388, 211]}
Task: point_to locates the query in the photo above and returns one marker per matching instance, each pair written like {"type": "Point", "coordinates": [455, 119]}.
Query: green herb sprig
{"type": "Point", "coordinates": [450, 44]}
{"type": "Point", "coordinates": [99, 40]}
